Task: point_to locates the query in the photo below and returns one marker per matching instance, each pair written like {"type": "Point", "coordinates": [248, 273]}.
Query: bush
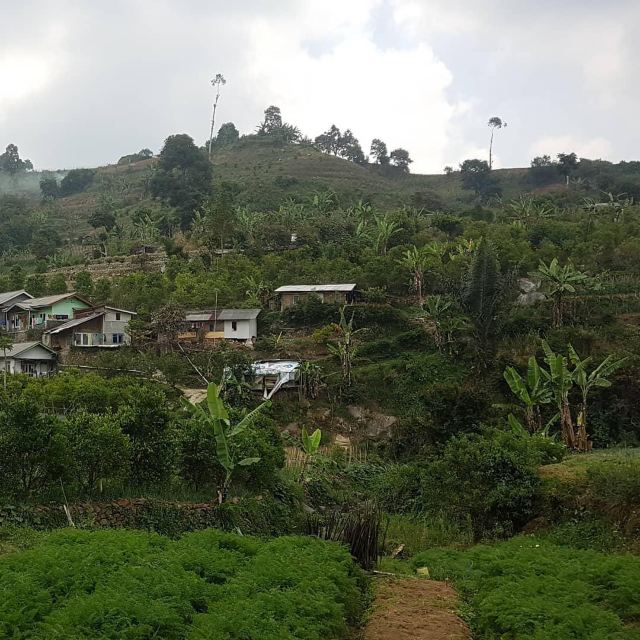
{"type": "Point", "coordinates": [207, 584]}
{"type": "Point", "coordinates": [76, 181]}
{"type": "Point", "coordinates": [488, 481]}
{"type": "Point", "coordinates": [32, 450]}
{"type": "Point", "coordinates": [527, 589]}
{"type": "Point", "coordinates": [146, 420]}
{"type": "Point", "coordinates": [312, 312]}
{"type": "Point", "coordinates": [615, 489]}
{"type": "Point", "coordinates": [399, 488]}
{"type": "Point", "coordinates": [97, 449]}
{"type": "Point", "coordinates": [198, 459]}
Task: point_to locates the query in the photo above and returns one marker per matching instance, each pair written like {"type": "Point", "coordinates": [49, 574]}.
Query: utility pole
{"type": "Point", "coordinates": [217, 82]}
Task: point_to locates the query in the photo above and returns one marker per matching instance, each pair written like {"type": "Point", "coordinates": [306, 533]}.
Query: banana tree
{"type": "Point", "coordinates": [415, 261]}
{"type": "Point", "coordinates": [560, 380]}
{"type": "Point", "coordinates": [587, 381]}
{"type": "Point", "coordinates": [345, 349]}
{"type": "Point", "coordinates": [216, 416]}
{"type": "Point", "coordinates": [532, 391]}
{"type": "Point", "coordinates": [310, 446]}
{"type": "Point", "coordinates": [385, 229]}
{"type": "Point", "coordinates": [559, 282]}
{"type": "Point", "coordinates": [437, 310]}
{"type": "Point", "coordinates": [309, 382]}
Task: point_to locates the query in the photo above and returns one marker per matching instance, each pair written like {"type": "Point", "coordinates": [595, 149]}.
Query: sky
{"type": "Point", "coordinates": [83, 83]}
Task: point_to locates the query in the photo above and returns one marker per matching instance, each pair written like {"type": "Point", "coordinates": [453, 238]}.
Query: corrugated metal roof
{"type": "Point", "coordinates": [200, 317]}
{"type": "Point", "coordinates": [74, 323]}
{"type": "Point", "coordinates": [47, 301]}
{"type": "Point", "coordinates": [22, 347]}
{"type": "Point", "coordinates": [239, 314]}
{"type": "Point", "coordinates": [7, 296]}
{"type": "Point", "coordinates": [314, 288]}
{"type": "Point", "coordinates": [274, 367]}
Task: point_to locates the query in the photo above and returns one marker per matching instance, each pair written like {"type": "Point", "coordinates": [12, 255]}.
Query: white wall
{"type": "Point", "coordinates": [245, 329]}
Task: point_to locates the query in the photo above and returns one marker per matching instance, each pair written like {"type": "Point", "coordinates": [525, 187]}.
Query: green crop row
{"type": "Point", "coordinates": [130, 585]}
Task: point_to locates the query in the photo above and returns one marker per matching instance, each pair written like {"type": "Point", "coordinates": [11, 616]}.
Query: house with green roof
{"type": "Point", "coordinates": [43, 313]}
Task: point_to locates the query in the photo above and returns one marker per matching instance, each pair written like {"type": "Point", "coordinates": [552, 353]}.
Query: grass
{"type": "Point", "coordinates": [575, 468]}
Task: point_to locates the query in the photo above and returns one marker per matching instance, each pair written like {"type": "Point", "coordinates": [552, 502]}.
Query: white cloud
{"type": "Point", "coordinates": [398, 95]}
{"type": "Point", "coordinates": [593, 148]}
{"type": "Point", "coordinates": [21, 75]}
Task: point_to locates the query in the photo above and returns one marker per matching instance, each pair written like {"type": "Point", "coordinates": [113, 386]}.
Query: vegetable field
{"type": "Point", "coordinates": [134, 585]}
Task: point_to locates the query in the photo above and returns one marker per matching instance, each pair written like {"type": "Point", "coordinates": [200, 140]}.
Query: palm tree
{"type": "Point", "coordinates": [6, 343]}
{"type": "Point", "coordinates": [532, 391]}
{"type": "Point", "coordinates": [586, 382]}
{"type": "Point", "coordinates": [494, 123]}
{"type": "Point", "coordinates": [216, 83]}
{"type": "Point", "coordinates": [559, 282]}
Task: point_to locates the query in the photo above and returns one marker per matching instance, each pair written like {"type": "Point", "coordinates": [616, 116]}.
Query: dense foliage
{"type": "Point", "coordinates": [95, 434]}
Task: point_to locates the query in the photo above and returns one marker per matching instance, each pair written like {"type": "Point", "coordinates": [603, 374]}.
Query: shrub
{"type": "Point", "coordinates": [31, 446]}
{"type": "Point", "coordinates": [489, 481]}
{"type": "Point", "coordinates": [615, 490]}
{"type": "Point", "coordinates": [312, 312]}
{"type": "Point", "coordinates": [97, 448]}
{"type": "Point", "coordinates": [76, 181]}
{"type": "Point", "coordinates": [398, 489]}
{"type": "Point", "coordinates": [146, 420]}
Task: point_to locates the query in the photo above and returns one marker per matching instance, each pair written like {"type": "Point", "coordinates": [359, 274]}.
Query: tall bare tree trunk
{"type": "Point", "coordinates": [491, 149]}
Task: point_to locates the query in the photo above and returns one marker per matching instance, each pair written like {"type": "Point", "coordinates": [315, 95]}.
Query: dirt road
{"type": "Point", "coordinates": [414, 609]}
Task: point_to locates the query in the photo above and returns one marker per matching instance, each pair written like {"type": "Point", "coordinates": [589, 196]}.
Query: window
{"type": "Point", "coordinates": [117, 338]}
{"type": "Point", "coordinates": [234, 325]}
{"type": "Point", "coordinates": [117, 315]}
{"type": "Point", "coordinates": [296, 299]}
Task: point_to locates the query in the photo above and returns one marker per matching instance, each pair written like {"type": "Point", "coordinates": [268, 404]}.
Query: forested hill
{"type": "Point", "coordinates": [61, 212]}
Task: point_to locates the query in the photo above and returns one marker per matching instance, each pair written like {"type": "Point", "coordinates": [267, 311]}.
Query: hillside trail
{"type": "Point", "coordinates": [414, 609]}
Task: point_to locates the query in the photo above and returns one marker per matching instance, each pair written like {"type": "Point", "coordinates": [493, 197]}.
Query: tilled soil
{"type": "Point", "coordinates": [415, 609]}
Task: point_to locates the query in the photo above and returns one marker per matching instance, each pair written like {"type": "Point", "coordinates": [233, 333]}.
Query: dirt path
{"type": "Point", "coordinates": [414, 609]}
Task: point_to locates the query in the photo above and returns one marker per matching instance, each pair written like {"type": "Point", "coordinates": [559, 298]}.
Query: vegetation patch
{"type": "Point", "coordinates": [531, 589]}
{"type": "Point", "coordinates": [127, 585]}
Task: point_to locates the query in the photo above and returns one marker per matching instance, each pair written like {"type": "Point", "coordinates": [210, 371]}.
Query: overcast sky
{"type": "Point", "coordinates": [83, 82]}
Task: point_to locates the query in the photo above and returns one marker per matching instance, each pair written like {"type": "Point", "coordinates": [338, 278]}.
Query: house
{"type": "Point", "coordinates": [201, 325]}
{"type": "Point", "coordinates": [7, 299]}
{"type": "Point", "coordinates": [30, 358]}
{"type": "Point", "coordinates": [337, 293]}
{"type": "Point", "coordinates": [239, 324]}
{"type": "Point", "coordinates": [43, 313]}
{"type": "Point", "coordinates": [103, 327]}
